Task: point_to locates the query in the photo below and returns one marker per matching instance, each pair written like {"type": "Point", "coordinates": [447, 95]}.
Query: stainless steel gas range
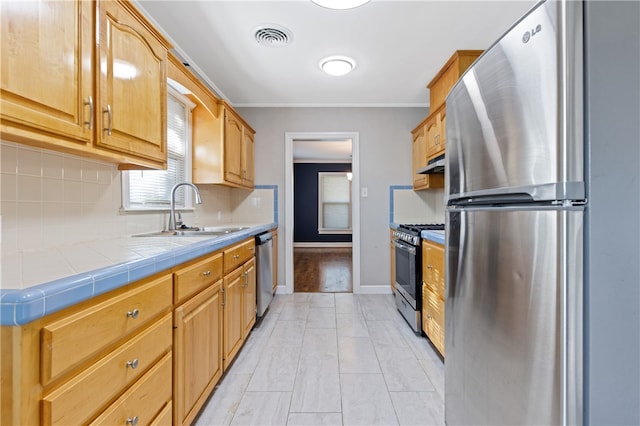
{"type": "Point", "coordinates": [408, 273]}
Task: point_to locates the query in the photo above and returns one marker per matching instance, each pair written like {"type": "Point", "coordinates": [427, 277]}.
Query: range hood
{"type": "Point", "coordinates": [434, 166]}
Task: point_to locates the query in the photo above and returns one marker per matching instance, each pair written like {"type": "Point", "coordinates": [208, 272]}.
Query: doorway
{"type": "Point", "coordinates": [326, 264]}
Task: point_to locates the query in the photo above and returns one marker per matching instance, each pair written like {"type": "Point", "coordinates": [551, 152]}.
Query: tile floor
{"type": "Point", "coordinates": [331, 359]}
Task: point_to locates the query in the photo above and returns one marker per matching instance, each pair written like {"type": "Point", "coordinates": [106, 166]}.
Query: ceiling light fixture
{"type": "Point", "coordinates": [340, 4]}
{"type": "Point", "coordinates": [337, 65]}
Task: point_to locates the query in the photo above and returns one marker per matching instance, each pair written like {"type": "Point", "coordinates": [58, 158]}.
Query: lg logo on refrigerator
{"type": "Point", "coordinates": [528, 34]}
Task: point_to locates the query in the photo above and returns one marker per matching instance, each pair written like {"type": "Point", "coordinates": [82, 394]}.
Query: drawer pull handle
{"type": "Point", "coordinates": [206, 274]}
{"type": "Point", "coordinates": [89, 103]}
{"type": "Point", "coordinates": [236, 256]}
{"type": "Point", "coordinates": [252, 248]}
{"type": "Point", "coordinates": [429, 267]}
{"type": "Point", "coordinates": [133, 314]}
{"type": "Point", "coordinates": [133, 421]}
{"type": "Point", "coordinates": [133, 364]}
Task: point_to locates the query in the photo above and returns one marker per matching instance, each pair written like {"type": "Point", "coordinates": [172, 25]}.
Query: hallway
{"type": "Point", "coordinates": [331, 359]}
{"type": "Point", "coordinates": [323, 270]}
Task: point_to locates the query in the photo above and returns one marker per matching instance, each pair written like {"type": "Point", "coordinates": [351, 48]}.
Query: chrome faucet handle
{"type": "Point", "coordinates": [179, 222]}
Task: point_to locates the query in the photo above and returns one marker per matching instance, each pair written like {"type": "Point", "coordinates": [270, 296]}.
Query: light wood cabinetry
{"type": "Point", "coordinates": [429, 137]}
{"type": "Point", "coordinates": [433, 293]}
{"type": "Point", "coordinates": [132, 84]}
{"type": "Point", "coordinates": [198, 327]}
{"type": "Point", "coordinates": [150, 352]}
{"type": "Point", "coordinates": [73, 365]}
{"type": "Point", "coordinates": [233, 308]}
{"type": "Point", "coordinates": [239, 296]}
{"type": "Point", "coordinates": [62, 90]}
{"type": "Point", "coordinates": [223, 149]}
{"type": "Point", "coordinates": [419, 160]}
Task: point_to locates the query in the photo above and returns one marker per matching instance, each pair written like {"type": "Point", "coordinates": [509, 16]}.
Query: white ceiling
{"type": "Point", "coordinates": [398, 45]}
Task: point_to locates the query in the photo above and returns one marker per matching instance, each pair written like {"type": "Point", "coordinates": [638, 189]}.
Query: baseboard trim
{"type": "Point", "coordinates": [374, 289]}
{"type": "Point", "coordinates": [321, 245]}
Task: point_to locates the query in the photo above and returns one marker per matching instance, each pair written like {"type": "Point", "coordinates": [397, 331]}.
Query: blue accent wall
{"type": "Point", "coordinates": [305, 202]}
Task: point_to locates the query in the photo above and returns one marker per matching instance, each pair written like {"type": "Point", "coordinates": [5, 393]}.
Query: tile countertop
{"type": "Point", "coordinates": [117, 262]}
{"type": "Point", "coordinates": [435, 236]}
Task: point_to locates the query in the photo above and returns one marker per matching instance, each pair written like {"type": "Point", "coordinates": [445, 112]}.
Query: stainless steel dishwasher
{"type": "Point", "coordinates": [264, 260]}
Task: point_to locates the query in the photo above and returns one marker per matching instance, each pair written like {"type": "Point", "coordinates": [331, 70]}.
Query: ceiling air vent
{"type": "Point", "coordinates": [272, 35]}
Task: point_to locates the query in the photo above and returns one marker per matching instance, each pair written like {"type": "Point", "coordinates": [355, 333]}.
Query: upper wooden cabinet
{"type": "Point", "coordinates": [429, 138]}
{"type": "Point", "coordinates": [238, 150]}
{"type": "Point", "coordinates": [422, 181]}
{"type": "Point", "coordinates": [223, 144]}
{"type": "Point", "coordinates": [47, 73]}
{"type": "Point", "coordinates": [448, 76]}
{"type": "Point", "coordinates": [63, 91]}
{"type": "Point", "coordinates": [132, 107]}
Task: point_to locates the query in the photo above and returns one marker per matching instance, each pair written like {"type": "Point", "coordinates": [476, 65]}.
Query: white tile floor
{"type": "Point", "coordinates": [331, 359]}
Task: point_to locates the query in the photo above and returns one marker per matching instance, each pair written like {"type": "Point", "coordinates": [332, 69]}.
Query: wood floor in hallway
{"type": "Point", "coordinates": [322, 270]}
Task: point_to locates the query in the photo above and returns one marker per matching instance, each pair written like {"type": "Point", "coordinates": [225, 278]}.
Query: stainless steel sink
{"type": "Point", "coordinates": [208, 231]}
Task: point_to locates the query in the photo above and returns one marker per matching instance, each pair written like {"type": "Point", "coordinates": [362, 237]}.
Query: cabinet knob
{"type": "Point", "coordinates": [206, 274]}
{"type": "Point", "coordinates": [429, 267]}
{"type": "Point", "coordinates": [236, 256]}
{"type": "Point", "coordinates": [133, 314]}
{"type": "Point", "coordinates": [133, 421]}
{"type": "Point", "coordinates": [133, 364]}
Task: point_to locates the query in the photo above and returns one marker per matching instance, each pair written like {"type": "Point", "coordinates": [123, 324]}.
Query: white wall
{"type": "Point", "coordinates": [385, 159]}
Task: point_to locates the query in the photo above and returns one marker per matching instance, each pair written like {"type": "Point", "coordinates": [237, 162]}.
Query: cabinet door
{"type": "Point", "coordinates": [248, 163]}
{"type": "Point", "coordinates": [419, 158]}
{"type": "Point", "coordinates": [442, 124]}
{"type": "Point", "coordinates": [197, 351]}
{"type": "Point", "coordinates": [433, 309]}
{"type": "Point", "coordinates": [232, 148]}
{"type": "Point", "coordinates": [132, 85]}
{"type": "Point", "coordinates": [46, 73]}
{"type": "Point", "coordinates": [432, 135]}
{"type": "Point", "coordinates": [233, 327]}
{"type": "Point", "coordinates": [249, 297]}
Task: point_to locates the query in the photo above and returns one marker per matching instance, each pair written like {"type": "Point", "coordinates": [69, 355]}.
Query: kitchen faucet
{"type": "Point", "coordinates": [172, 213]}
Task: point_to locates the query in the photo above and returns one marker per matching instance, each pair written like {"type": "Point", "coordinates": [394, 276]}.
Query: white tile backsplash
{"type": "Point", "coordinates": [411, 206]}
{"type": "Point", "coordinates": [50, 199]}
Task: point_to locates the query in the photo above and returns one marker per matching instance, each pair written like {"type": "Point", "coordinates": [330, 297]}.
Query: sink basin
{"type": "Point", "coordinates": [210, 231]}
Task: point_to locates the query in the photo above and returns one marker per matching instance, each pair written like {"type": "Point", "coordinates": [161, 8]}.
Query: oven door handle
{"type": "Point", "coordinates": [404, 246]}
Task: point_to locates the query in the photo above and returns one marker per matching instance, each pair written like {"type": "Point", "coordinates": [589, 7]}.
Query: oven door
{"type": "Point", "coordinates": [406, 267]}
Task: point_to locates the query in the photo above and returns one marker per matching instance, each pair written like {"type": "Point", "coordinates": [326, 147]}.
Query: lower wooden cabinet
{"type": "Point", "coordinates": [249, 297]}
{"type": "Point", "coordinates": [433, 318]}
{"type": "Point", "coordinates": [197, 351]}
{"type": "Point", "coordinates": [147, 353]}
{"type": "Point", "coordinates": [433, 293]}
{"type": "Point", "coordinates": [233, 309]}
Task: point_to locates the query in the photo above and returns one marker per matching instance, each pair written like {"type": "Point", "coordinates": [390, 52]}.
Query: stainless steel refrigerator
{"type": "Point", "coordinates": [519, 238]}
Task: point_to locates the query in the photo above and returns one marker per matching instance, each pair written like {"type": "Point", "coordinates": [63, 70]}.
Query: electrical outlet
{"type": "Point", "coordinates": [364, 192]}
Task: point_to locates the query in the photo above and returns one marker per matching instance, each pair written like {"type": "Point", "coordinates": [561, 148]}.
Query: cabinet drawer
{"type": "Point", "coordinates": [144, 401]}
{"type": "Point", "coordinates": [77, 400]}
{"type": "Point", "coordinates": [165, 418]}
{"type": "Point", "coordinates": [67, 342]}
{"type": "Point", "coordinates": [194, 278]}
{"type": "Point", "coordinates": [238, 254]}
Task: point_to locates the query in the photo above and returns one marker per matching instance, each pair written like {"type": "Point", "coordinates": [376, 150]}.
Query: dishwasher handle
{"type": "Point", "coordinates": [263, 238]}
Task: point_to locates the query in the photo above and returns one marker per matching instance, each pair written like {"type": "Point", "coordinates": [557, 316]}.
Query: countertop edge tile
{"type": "Point", "coordinates": [21, 306]}
{"type": "Point", "coordinates": [435, 236]}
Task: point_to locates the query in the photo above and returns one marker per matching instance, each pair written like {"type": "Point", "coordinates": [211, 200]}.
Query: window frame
{"type": "Point", "coordinates": [338, 231]}
{"type": "Point", "coordinates": [188, 196]}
